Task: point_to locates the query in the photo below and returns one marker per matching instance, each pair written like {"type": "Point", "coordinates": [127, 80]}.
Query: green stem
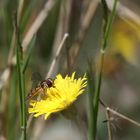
{"type": "Point", "coordinates": [90, 101]}
{"type": "Point", "coordinates": [107, 30]}
{"type": "Point", "coordinates": [26, 61]}
{"type": "Point", "coordinates": [12, 107]}
{"type": "Point", "coordinates": [19, 58]}
{"type": "Point", "coordinates": [97, 96]}
{"type": "Point", "coordinates": [108, 26]}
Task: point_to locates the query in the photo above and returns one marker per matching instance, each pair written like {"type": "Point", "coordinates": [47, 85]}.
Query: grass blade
{"type": "Point", "coordinates": [91, 90]}
{"type": "Point", "coordinates": [19, 58]}
{"type": "Point", "coordinates": [26, 61]}
{"type": "Point", "coordinates": [11, 127]}
{"type": "Point", "coordinates": [107, 29]}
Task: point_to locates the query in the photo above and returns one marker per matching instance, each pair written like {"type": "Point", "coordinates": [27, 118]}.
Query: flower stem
{"type": "Point", "coordinates": [106, 33]}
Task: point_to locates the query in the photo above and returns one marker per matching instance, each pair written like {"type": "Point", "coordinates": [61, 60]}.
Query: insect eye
{"type": "Point", "coordinates": [49, 82]}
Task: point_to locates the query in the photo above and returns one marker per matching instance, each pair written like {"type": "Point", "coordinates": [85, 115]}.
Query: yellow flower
{"type": "Point", "coordinates": [64, 93]}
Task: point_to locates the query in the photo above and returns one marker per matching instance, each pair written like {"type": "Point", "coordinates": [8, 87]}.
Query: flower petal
{"type": "Point", "coordinates": [64, 93]}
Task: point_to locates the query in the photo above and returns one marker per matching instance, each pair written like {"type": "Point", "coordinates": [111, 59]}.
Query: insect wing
{"type": "Point", "coordinates": [34, 92]}
{"type": "Point", "coordinates": [36, 78]}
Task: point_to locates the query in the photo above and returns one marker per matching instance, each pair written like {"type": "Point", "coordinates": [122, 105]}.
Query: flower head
{"type": "Point", "coordinates": [64, 92]}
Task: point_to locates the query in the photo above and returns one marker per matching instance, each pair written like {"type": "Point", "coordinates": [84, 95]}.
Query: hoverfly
{"type": "Point", "coordinates": [40, 87]}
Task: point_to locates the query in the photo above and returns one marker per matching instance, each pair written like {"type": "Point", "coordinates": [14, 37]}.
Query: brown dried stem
{"type": "Point", "coordinates": [123, 116]}
{"type": "Point", "coordinates": [56, 56]}
{"type": "Point", "coordinates": [53, 64]}
{"type": "Point", "coordinates": [37, 23]}
{"type": "Point", "coordinates": [125, 13]}
{"type": "Point", "coordinates": [109, 125]}
{"type": "Point", "coordinates": [110, 111]}
{"type": "Point", "coordinates": [34, 28]}
{"type": "Point", "coordinates": [85, 22]}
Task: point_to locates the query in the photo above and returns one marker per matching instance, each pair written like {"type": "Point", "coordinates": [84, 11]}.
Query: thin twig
{"type": "Point", "coordinates": [5, 76]}
{"type": "Point", "coordinates": [123, 116]}
{"type": "Point", "coordinates": [124, 12]}
{"type": "Point", "coordinates": [28, 37]}
{"type": "Point", "coordinates": [128, 15]}
{"type": "Point", "coordinates": [85, 22]}
{"type": "Point", "coordinates": [41, 123]}
{"type": "Point", "coordinates": [109, 125]}
{"type": "Point", "coordinates": [119, 114]}
{"type": "Point", "coordinates": [29, 122]}
{"type": "Point", "coordinates": [102, 103]}
{"type": "Point", "coordinates": [37, 23]}
{"type": "Point", "coordinates": [56, 56]}
{"type": "Point", "coordinates": [20, 8]}
{"type": "Point", "coordinates": [62, 27]}
{"type": "Point", "coordinates": [53, 64]}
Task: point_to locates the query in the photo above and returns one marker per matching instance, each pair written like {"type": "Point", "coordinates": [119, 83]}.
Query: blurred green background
{"type": "Point", "coordinates": [82, 20]}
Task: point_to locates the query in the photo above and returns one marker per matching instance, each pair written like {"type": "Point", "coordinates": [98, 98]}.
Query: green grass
{"type": "Point", "coordinates": [40, 54]}
{"type": "Point", "coordinates": [107, 24]}
{"type": "Point", "coordinates": [20, 74]}
{"type": "Point", "coordinates": [11, 127]}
